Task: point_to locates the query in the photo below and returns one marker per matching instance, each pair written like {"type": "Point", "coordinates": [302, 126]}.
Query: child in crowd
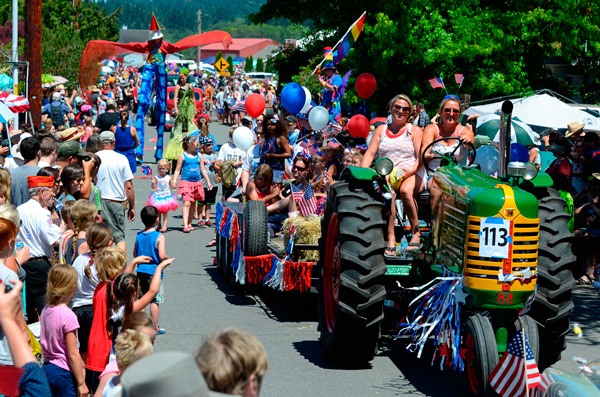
{"type": "Point", "coordinates": [130, 346]}
{"type": "Point", "coordinates": [83, 214]}
{"type": "Point", "coordinates": [151, 243]}
{"type": "Point", "coordinates": [191, 168]}
{"type": "Point", "coordinates": [210, 196]}
{"type": "Point", "coordinates": [162, 198]}
{"type": "Point", "coordinates": [62, 362]}
{"type": "Point", "coordinates": [136, 321]}
{"type": "Point", "coordinates": [98, 236]}
{"type": "Point", "coordinates": [69, 225]}
{"type": "Point", "coordinates": [89, 129]}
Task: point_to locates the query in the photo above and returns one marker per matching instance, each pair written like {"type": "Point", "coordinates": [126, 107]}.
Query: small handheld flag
{"type": "Point", "coordinates": [459, 78]}
{"type": "Point", "coordinates": [437, 82]}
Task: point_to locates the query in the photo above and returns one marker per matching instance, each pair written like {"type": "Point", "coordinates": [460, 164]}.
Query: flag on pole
{"type": "Point", "coordinates": [333, 143]}
{"type": "Point", "coordinates": [349, 38]}
{"type": "Point", "coordinates": [459, 78]}
{"type": "Point", "coordinates": [437, 83]}
{"type": "Point", "coordinates": [305, 200]}
{"type": "Point", "coordinates": [517, 370]}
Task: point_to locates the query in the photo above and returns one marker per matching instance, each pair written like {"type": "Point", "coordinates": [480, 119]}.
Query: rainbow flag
{"type": "Point", "coordinates": [349, 38]}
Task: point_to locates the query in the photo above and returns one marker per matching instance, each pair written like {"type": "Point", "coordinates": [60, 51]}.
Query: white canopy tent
{"type": "Point", "coordinates": [542, 110]}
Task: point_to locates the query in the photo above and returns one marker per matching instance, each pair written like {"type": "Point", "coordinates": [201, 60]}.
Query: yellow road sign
{"type": "Point", "coordinates": [222, 65]}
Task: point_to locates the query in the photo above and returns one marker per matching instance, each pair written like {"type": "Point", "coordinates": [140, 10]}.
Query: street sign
{"type": "Point", "coordinates": [222, 65]}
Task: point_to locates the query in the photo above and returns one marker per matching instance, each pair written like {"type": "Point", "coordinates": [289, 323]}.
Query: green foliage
{"type": "Point", "coordinates": [218, 56]}
{"type": "Point", "coordinates": [269, 65]}
{"type": "Point", "coordinates": [249, 65]}
{"type": "Point", "coordinates": [230, 62]}
{"type": "Point", "coordinates": [500, 47]}
{"type": "Point", "coordinates": [260, 67]}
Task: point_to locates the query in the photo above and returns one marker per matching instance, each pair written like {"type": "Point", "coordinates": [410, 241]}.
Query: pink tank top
{"type": "Point", "coordinates": [400, 149]}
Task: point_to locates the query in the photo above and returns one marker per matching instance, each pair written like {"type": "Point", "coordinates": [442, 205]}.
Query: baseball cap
{"type": "Point", "coordinates": [291, 119]}
{"type": "Point", "coordinates": [72, 148]}
{"type": "Point", "coordinates": [247, 118]}
{"type": "Point", "coordinates": [56, 96]}
{"type": "Point", "coordinates": [204, 140]}
{"type": "Point", "coordinates": [111, 102]}
{"type": "Point", "coordinates": [107, 137]}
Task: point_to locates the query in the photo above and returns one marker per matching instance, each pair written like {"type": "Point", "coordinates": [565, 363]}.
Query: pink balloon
{"type": "Point", "coordinates": [365, 84]}
{"type": "Point", "coordinates": [358, 126]}
{"type": "Point", "coordinates": [255, 105]}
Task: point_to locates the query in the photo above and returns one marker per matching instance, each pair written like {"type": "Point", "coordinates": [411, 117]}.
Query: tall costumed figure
{"type": "Point", "coordinates": [154, 72]}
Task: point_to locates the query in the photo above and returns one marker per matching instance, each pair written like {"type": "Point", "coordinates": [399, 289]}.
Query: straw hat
{"type": "Point", "coordinates": [573, 128]}
{"type": "Point", "coordinates": [71, 134]}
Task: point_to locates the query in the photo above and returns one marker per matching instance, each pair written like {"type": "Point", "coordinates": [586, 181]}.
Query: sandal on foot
{"type": "Point", "coordinates": [413, 247]}
{"type": "Point", "coordinates": [212, 243]}
{"type": "Point", "coordinates": [163, 230]}
{"type": "Point", "coordinates": [188, 229]}
{"type": "Point", "coordinates": [202, 223]}
{"type": "Point", "coordinates": [586, 279]}
{"type": "Point", "coordinates": [209, 223]}
{"type": "Point", "coordinates": [390, 252]}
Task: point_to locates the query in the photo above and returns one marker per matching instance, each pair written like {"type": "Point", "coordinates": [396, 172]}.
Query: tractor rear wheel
{"type": "Point", "coordinates": [351, 288]}
{"type": "Point", "coordinates": [481, 354]}
{"type": "Point", "coordinates": [553, 302]}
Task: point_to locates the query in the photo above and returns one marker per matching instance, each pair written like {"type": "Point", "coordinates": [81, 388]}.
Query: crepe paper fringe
{"type": "Point", "coordinates": [436, 312]}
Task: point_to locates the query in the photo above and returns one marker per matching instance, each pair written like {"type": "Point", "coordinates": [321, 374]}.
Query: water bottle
{"type": "Point", "coordinates": [401, 249]}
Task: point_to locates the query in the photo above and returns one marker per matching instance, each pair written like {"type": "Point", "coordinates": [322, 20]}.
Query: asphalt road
{"type": "Point", "coordinates": [198, 301]}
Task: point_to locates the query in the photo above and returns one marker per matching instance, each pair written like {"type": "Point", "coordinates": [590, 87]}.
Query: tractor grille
{"type": "Point", "coordinates": [523, 253]}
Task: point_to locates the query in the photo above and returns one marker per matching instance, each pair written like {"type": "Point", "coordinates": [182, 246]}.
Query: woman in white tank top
{"type": "Point", "coordinates": [401, 142]}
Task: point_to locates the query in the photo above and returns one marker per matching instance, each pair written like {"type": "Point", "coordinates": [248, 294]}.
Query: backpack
{"type": "Point", "coordinates": [56, 114]}
{"type": "Point", "coordinates": [228, 175]}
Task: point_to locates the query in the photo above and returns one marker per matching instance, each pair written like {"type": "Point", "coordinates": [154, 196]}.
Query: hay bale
{"type": "Point", "coordinates": [308, 231]}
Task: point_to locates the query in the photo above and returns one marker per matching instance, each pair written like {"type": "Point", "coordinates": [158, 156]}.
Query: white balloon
{"type": "Point", "coordinates": [243, 138]}
{"type": "Point", "coordinates": [306, 106]}
{"type": "Point", "coordinates": [318, 118]}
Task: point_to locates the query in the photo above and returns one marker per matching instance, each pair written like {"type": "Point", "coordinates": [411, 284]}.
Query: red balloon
{"type": "Point", "coordinates": [255, 105]}
{"type": "Point", "coordinates": [358, 126]}
{"type": "Point", "coordinates": [365, 85]}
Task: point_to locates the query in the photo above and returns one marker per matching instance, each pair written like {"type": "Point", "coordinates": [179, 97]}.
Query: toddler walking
{"type": "Point", "coordinates": [162, 198]}
{"type": "Point", "coordinates": [62, 362]}
{"type": "Point", "coordinates": [191, 168]}
{"type": "Point", "coordinates": [210, 195]}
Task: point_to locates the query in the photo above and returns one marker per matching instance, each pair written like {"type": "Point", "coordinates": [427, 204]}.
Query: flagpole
{"type": "Point", "coordinates": [444, 85]}
{"type": "Point", "coordinates": [524, 356]}
{"type": "Point", "coordinates": [339, 41]}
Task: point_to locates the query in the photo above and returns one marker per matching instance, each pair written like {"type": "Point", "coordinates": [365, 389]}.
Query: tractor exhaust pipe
{"type": "Point", "coordinates": [505, 123]}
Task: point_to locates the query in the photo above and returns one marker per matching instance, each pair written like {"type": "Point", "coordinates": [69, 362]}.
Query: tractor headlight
{"type": "Point", "coordinates": [383, 166]}
{"type": "Point", "coordinates": [531, 172]}
{"type": "Point", "coordinates": [516, 169]}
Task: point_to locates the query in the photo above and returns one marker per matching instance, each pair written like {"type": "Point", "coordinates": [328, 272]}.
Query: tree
{"type": "Point", "coordinates": [500, 47]}
{"type": "Point", "coordinates": [248, 67]}
{"type": "Point", "coordinates": [230, 62]}
{"type": "Point", "coordinates": [260, 65]}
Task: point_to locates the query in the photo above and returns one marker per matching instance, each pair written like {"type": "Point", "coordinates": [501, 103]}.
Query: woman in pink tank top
{"type": "Point", "coordinates": [401, 142]}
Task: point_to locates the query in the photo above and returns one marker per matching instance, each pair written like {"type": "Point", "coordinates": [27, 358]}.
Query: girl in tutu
{"type": "Point", "coordinates": [192, 170]}
{"type": "Point", "coordinates": [162, 198]}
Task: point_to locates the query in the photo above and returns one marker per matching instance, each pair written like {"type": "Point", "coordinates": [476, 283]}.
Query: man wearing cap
{"type": "Point", "coordinates": [29, 150]}
{"type": "Point", "coordinates": [115, 182]}
{"type": "Point", "coordinates": [57, 109]}
{"type": "Point", "coordinates": [40, 234]}
{"type": "Point", "coordinates": [108, 120]}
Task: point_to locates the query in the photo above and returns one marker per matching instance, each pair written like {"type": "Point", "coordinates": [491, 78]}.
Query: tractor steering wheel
{"type": "Point", "coordinates": [453, 154]}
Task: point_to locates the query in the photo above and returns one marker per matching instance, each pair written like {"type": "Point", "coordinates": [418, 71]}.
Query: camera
{"type": "Point", "coordinates": [286, 191]}
{"type": "Point", "coordinates": [7, 287]}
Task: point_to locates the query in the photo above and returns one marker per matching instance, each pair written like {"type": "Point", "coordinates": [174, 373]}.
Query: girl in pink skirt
{"type": "Point", "coordinates": [162, 198]}
{"type": "Point", "coordinates": [191, 168]}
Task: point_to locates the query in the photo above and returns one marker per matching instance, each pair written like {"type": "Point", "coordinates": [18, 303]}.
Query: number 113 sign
{"type": "Point", "coordinates": [494, 237]}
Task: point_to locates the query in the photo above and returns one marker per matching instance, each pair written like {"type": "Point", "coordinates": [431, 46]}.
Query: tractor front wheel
{"type": "Point", "coordinates": [481, 354]}
{"type": "Point", "coordinates": [351, 288]}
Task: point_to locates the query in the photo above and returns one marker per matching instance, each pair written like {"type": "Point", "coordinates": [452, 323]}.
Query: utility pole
{"type": "Point", "coordinates": [15, 55]}
{"type": "Point", "coordinates": [33, 55]}
{"type": "Point", "coordinates": [199, 14]}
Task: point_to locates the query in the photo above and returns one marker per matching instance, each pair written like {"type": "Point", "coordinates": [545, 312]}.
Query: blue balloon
{"type": "Point", "coordinates": [293, 97]}
{"type": "Point", "coordinates": [518, 152]}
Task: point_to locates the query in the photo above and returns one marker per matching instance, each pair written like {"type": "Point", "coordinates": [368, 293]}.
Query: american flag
{"type": "Point", "coordinates": [305, 200]}
{"type": "Point", "coordinates": [333, 143]}
{"type": "Point", "coordinates": [309, 149]}
{"type": "Point", "coordinates": [516, 372]}
{"type": "Point", "coordinates": [146, 170]}
{"type": "Point", "coordinates": [437, 83]}
{"type": "Point", "coordinates": [330, 129]}
{"type": "Point", "coordinates": [459, 78]}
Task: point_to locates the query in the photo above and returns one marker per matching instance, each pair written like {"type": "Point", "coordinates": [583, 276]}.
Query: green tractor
{"type": "Point", "coordinates": [505, 238]}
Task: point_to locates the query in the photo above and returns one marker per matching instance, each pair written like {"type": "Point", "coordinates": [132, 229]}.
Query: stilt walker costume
{"type": "Point", "coordinates": [155, 72]}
